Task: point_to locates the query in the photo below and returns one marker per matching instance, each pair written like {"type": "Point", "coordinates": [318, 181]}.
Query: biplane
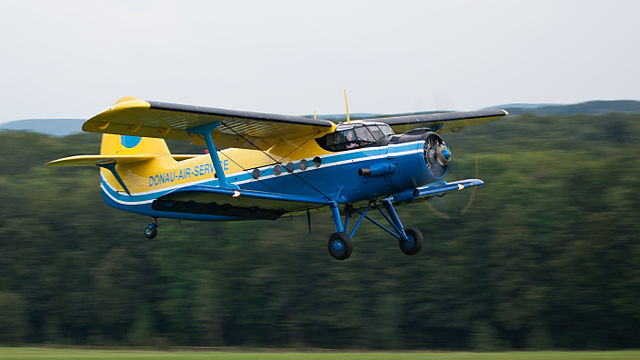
{"type": "Point", "coordinates": [264, 166]}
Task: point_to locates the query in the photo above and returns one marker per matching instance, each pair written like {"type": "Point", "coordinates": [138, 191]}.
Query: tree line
{"type": "Point", "coordinates": [545, 255]}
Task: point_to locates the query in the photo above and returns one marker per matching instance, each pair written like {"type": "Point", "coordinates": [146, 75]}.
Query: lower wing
{"type": "Point", "coordinates": [246, 204]}
{"type": "Point", "coordinates": [436, 188]}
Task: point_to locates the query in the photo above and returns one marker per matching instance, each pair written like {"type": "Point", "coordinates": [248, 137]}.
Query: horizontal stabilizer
{"type": "Point", "coordinates": [246, 204]}
{"type": "Point", "coordinates": [436, 189]}
{"type": "Point", "coordinates": [93, 160]}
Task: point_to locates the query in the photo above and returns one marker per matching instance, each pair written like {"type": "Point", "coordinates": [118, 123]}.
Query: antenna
{"type": "Point", "coordinates": [347, 105]}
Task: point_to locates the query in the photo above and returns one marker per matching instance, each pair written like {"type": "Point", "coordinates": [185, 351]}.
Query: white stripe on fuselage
{"type": "Point", "coordinates": [311, 168]}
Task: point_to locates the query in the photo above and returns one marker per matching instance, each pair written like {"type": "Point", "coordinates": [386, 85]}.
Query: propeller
{"type": "Point", "coordinates": [432, 201]}
{"type": "Point", "coordinates": [439, 155]}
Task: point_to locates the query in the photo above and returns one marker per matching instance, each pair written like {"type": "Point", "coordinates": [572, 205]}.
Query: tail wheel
{"type": "Point", "coordinates": [413, 243]}
{"type": "Point", "coordinates": [151, 231]}
{"type": "Point", "coordinates": [340, 246]}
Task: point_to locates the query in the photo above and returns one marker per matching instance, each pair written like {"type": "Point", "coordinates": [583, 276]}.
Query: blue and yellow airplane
{"type": "Point", "coordinates": [270, 165]}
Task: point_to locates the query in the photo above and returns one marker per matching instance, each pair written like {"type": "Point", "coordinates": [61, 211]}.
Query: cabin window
{"type": "Point", "coordinates": [364, 135]}
{"type": "Point", "coordinates": [353, 136]}
{"type": "Point", "coordinates": [376, 132]}
{"type": "Point", "coordinates": [386, 129]}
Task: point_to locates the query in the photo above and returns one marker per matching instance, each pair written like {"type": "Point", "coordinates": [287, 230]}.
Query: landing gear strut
{"type": "Point", "coordinates": [151, 230]}
{"type": "Point", "coordinates": [341, 245]}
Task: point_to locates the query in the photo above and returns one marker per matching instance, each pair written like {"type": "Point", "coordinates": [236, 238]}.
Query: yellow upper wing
{"type": "Point", "coordinates": [239, 129]}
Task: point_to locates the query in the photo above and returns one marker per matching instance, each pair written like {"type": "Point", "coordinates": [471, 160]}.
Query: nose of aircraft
{"type": "Point", "coordinates": [444, 155]}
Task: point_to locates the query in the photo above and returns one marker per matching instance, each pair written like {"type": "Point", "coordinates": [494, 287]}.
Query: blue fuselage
{"type": "Point", "coordinates": [392, 169]}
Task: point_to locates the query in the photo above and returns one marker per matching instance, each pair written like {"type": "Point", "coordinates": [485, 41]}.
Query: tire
{"type": "Point", "coordinates": [340, 246]}
{"type": "Point", "coordinates": [414, 244]}
{"type": "Point", "coordinates": [151, 231]}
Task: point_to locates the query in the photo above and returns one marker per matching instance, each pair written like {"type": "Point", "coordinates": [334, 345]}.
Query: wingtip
{"type": "Point", "coordinates": [130, 102]}
{"type": "Point", "coordinates": [56, 162]}
{"type": "Point", "coordinates": [100, 122]}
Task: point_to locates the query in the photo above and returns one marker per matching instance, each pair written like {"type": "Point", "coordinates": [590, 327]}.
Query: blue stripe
{"type": "Point", "coordinates": [274, 183]}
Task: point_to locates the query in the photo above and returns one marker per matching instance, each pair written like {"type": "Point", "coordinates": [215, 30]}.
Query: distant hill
{"type": "Point", "coordinates": [523, 106]}
{"type": "Point", "coordinates": [589, 107]}
{"type": "Point", "coordinates": [63, 127]}
{"type": "Point", "coordinates": [54, 127]}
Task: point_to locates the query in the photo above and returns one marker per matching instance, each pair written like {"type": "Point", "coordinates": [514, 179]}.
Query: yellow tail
{"type": "Point", "coordinates": [119, 154]}
{"type": "Point", "coordinates": [132, 145]}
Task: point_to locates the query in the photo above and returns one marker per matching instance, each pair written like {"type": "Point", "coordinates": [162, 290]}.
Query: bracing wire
{"type": "Point", "coordinates": [276, 160]}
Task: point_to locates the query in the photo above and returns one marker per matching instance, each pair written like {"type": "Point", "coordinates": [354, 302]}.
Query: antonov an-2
{"type": "Point", "coordinates": [271, 165]}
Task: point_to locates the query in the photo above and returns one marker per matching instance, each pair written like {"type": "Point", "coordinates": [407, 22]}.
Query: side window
{"type": "Point", "coordinates": [348, 136]}
{"type": "Point", "coordinates": [375, 131]}
{"type": "Point", "coordinates": [364, 136]}
{"type": "Point", "coordinates": [386, 129]}
{"type": "Point", "coordinates": [350, 139]}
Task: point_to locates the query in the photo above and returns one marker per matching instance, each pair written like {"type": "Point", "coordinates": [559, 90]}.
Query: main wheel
{"type": "Point", "coordinates": [340, 246]}
{"type": "Point", "coordinates": [413, 243]}
{"type": "Point", "coordinates": [150, 231]}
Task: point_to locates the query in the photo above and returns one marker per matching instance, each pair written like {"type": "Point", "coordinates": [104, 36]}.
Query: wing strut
{"type": "Point", "coordinates": [205, 131]}
{"type": "Point", "coordinates": [111, 166]}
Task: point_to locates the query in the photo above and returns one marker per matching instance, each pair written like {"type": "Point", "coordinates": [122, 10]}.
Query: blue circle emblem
{"type": "Point", "coordinates": [129, 141]}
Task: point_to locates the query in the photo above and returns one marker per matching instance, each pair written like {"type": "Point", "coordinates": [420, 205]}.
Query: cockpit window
{"type": "Point", "coordinates": [353, 136]}
{"type": "Point", "coordinates": [386, 129]}
{"type": "Point", "coordinates": [376, 132]}
{"type": "Point", "coordinates": [363, 134]}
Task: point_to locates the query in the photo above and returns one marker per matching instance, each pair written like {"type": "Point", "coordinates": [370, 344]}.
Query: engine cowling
{"type": "Point", "coordinates": [436, 155]}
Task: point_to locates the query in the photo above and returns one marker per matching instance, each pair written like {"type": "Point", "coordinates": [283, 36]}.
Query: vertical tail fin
{"type": "Point", "coordinates": [129, 145]}
{"type": "Point", "coordinates": [132, 145]}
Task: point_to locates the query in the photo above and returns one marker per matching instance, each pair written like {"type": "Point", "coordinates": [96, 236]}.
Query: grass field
{"type": "Point", "coordinates": [79, 354]}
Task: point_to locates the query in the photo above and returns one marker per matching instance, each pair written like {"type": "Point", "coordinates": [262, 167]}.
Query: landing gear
{"type": "Point", "coordinates": [151, 230]}
{"type": "Point", "coordinates": [340, 246]}
{"type": "Point", "coordinates": [413, 242]}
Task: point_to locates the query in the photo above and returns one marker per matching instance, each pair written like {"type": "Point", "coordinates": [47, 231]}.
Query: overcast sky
{"type": "Point", "coordinates": [73, 59]}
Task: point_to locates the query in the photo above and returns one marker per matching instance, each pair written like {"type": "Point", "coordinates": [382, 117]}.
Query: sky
{"type": "Point", "coordinates": [73, 59]}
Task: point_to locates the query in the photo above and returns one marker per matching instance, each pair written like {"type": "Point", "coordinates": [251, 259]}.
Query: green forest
{"type": "Point", "coordinates": [545, 255]}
